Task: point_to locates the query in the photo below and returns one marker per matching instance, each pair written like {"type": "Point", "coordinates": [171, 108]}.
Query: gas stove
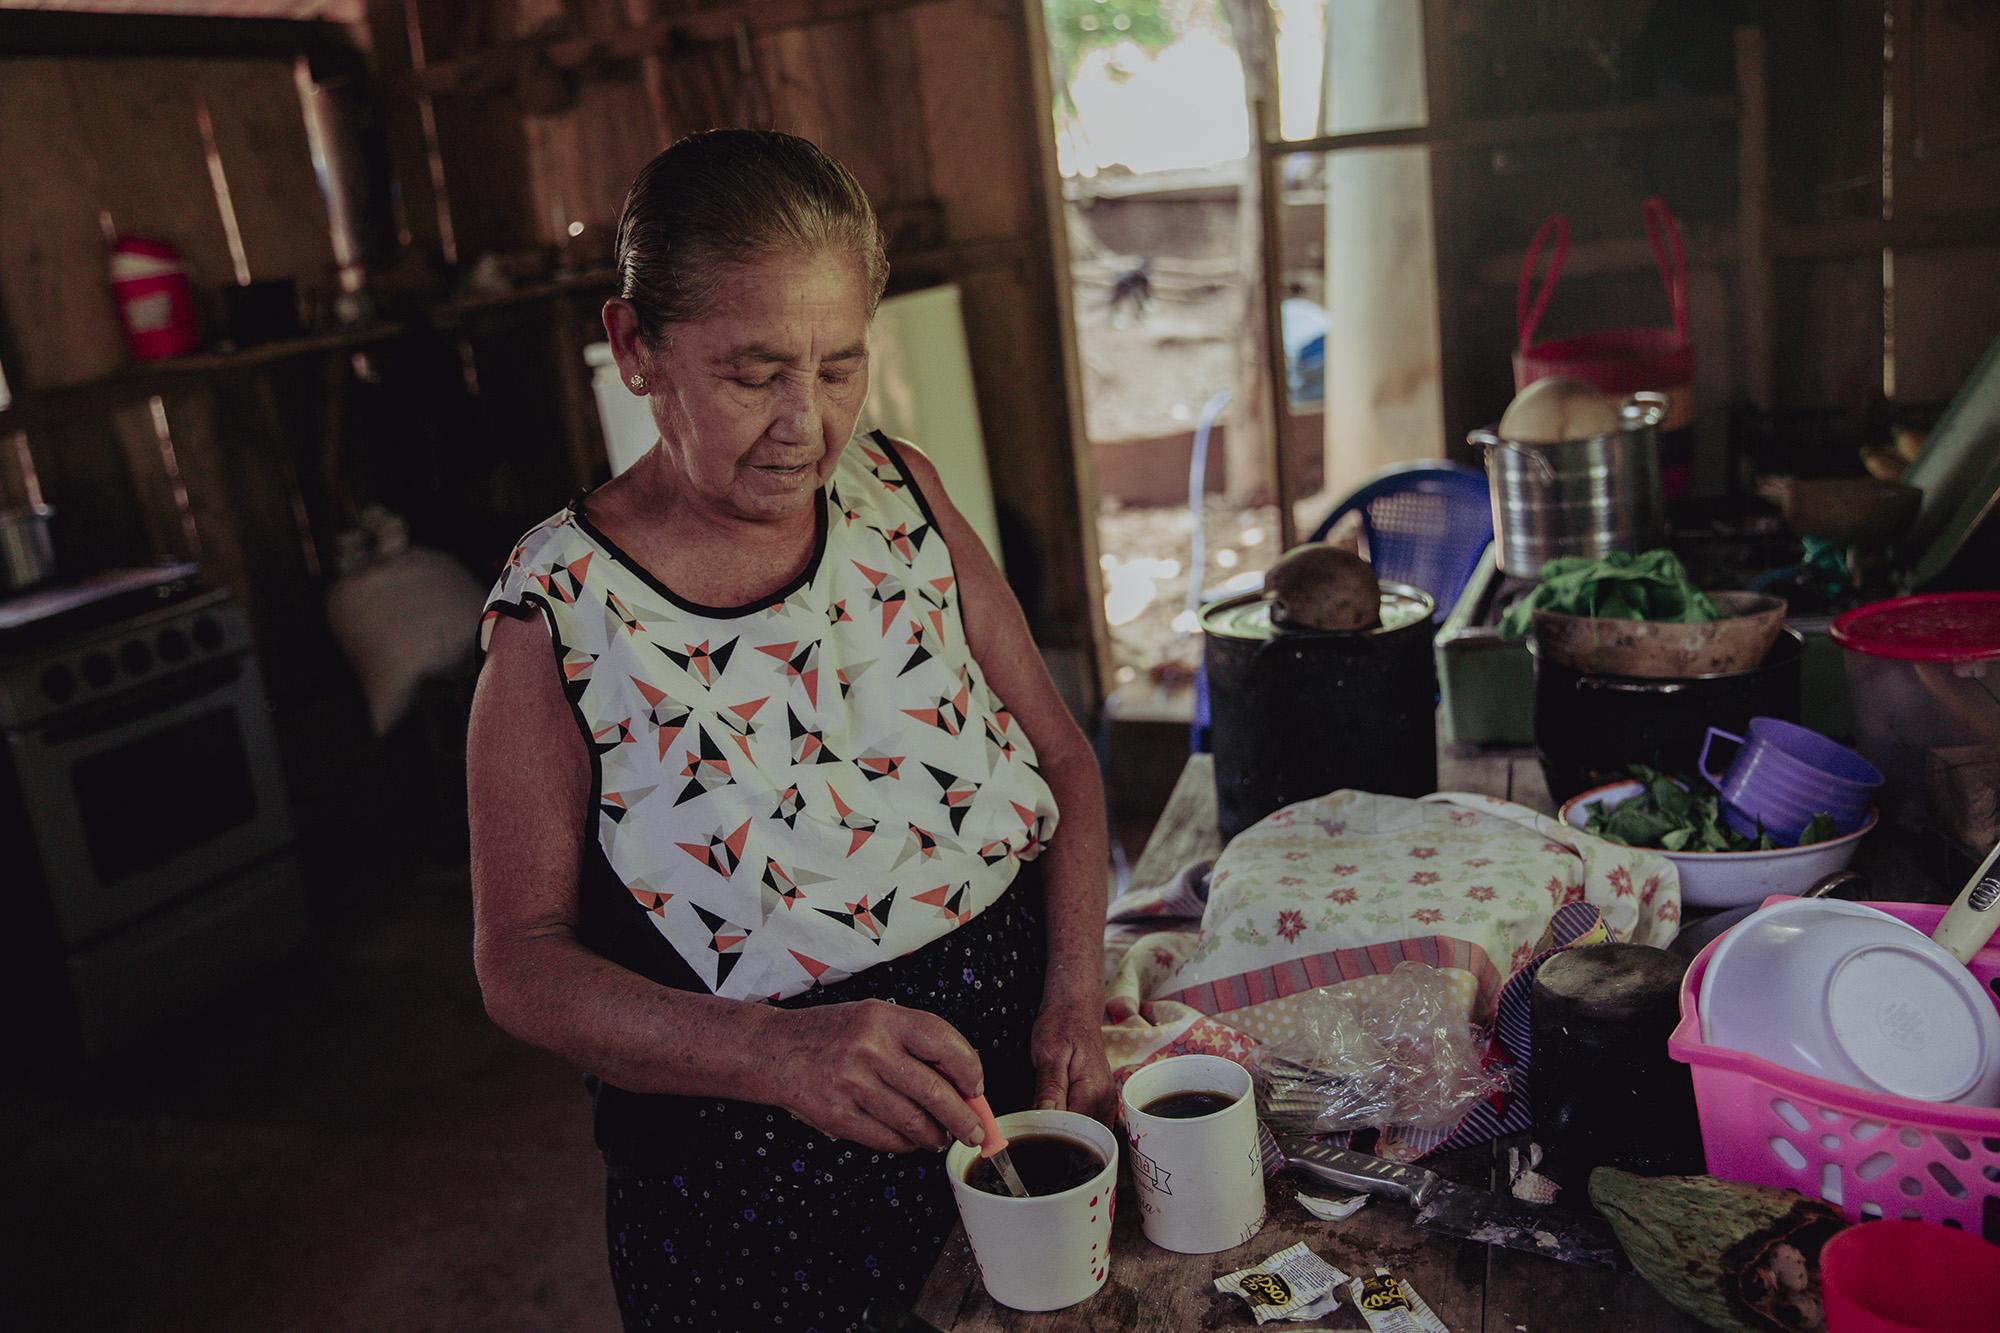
{"type": "Point", "coordinates": [150, 839]}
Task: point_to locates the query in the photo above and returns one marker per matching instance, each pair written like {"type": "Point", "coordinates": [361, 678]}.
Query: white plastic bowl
{"type": "Point", "coordinates": [1733, 879]}
{"type": "Point", "coordinates": [1845, 993]}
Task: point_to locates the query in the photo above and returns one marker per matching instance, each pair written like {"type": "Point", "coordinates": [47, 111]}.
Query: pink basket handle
{"type": "Point", "coordinates": [1526, 317]}
{"type": "Point", "coordinates": [1665, 234]}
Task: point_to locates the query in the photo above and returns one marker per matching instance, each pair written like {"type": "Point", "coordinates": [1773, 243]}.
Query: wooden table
{"type": "Point", "coordinates": [1470, 1286]}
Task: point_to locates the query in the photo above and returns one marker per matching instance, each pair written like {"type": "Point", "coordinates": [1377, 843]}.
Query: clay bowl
{"type": "Point", "coordinates": [1654, 649]}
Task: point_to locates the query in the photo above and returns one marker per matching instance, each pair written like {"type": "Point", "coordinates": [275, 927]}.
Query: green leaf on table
{"type": "Point", "coordinates": [1818, 829]}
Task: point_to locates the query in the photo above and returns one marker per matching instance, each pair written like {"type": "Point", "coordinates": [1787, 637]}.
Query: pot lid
{"type": "Point", "coordinates": [1940, 627]}
{"type": "Point", "coordinates": [1248, 615]}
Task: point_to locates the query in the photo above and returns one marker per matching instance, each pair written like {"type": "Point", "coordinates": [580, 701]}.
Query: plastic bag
{"type": "Point", "coordinates": [1400, 1053]}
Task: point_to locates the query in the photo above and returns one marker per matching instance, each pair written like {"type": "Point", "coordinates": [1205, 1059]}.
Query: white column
{"type": "Point", "coordinates": [1384, 400]}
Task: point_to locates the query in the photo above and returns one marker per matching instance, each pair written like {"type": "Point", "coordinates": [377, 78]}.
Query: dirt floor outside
{"type": "Point", "coordinates": [1148, 370]}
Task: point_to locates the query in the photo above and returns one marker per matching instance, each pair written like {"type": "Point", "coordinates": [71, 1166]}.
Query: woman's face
{"type": "Point", "coordinates": [755, 400]}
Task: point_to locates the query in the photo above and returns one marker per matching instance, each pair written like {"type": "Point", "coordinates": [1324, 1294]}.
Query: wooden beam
{"type": "Point", "coordinates": [1871, 236]}
{"type": "Point", "coordinates": [1753, 217]}
{"type": "Point", "coordinates": [1707, 244]}
{"type": "Point", "coordinates": [1710, 245]}
{"type": "Point", "coordinates": [1048, 247]}
{"type": "Point", "coordinates": [500, 64]}
{"type": "Point", "coordinates": [40, 32]}
{"type": "Point", "coordinates": [1492, 131]}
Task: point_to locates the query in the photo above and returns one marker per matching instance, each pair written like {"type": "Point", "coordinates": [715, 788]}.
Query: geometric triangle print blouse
{"type": "Point", "coordinates": [792, 791]}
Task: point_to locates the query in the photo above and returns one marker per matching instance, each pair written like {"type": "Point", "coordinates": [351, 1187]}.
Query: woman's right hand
{"type": "Point", "coordinates": [877, 1074]}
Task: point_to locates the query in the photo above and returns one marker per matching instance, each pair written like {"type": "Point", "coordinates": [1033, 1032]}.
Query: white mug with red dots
{"type": "Point", "coordinates": [1048, 1251]}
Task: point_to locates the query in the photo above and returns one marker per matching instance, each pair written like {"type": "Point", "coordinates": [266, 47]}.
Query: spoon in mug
{"type": "Point", "coordinates": [994, 1146]}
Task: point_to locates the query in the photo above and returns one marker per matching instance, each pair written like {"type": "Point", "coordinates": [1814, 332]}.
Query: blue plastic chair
{"type": "Point", "coordinates": [1421, 523]}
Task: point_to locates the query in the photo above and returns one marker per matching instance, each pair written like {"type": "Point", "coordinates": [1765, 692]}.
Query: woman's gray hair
{"type": "Point", "coordinates": [725, 198]}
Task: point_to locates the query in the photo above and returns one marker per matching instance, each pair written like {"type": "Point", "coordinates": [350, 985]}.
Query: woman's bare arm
{"type": "Point", "coordinates": [1075, 864]}
{"type": "Point", "coordinates": [868, 1072]}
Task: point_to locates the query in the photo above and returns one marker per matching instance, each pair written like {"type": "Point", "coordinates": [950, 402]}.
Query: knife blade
{"type": "Point", "coordinates": [1461, 1211]}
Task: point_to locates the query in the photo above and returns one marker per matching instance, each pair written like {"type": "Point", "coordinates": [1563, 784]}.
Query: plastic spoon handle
{"type": "Point", "coordinates": [993, 1145]}
{"type": "Point", "coordinates": [994, 1140]}
{"type": "Point", "coordinates": [1972, 919]}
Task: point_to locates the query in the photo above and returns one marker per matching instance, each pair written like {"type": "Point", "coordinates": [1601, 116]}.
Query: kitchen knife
{"type": "Point", "coordinates": [1460, 1210]}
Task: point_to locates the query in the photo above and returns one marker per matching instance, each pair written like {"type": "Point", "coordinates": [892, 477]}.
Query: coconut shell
{"type": "Point", "coordinates": [1321, 587]}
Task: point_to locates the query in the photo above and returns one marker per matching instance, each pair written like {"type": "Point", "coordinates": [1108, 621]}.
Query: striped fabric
{"type": "Point", "coordinates": [1294, 975]}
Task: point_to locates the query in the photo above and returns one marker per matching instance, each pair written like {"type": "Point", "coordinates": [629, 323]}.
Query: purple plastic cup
{"type": "Point", "coordinates": [1783, 774]}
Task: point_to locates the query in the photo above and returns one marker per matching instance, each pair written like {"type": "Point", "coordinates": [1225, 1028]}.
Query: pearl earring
{"type": "Point", "coordinates": [638, 382]}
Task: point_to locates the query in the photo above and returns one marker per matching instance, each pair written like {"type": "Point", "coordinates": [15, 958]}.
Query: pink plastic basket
{"type": "Point", "coordinates": [1873, 1154]}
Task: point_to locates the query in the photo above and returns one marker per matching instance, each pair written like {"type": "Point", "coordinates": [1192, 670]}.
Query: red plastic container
{"type": "Point", "coordinates": [155, 303]}
{"type": "Point", "coordinates": [1924, 675]}
{"type": "Point", "coordinates": [1909, 1277]}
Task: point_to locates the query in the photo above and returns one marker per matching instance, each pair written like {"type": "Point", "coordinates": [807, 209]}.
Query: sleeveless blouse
{"type": "Point", "coordinates": [789, 792]}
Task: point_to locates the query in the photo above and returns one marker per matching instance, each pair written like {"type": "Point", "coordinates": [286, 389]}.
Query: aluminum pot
{"type": "Point", "coordinates": [27, 553]}
{"type": "Point", "coordinates": [1586, 497]}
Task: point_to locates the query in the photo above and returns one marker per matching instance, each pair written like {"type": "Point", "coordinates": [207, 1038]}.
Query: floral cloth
{"type": "Point", "coordinates": [1346, 886]}
{"type": "Point", "coordinates": [1332, 893]}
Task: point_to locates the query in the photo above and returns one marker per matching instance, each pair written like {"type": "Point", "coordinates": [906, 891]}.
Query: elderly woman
{"type": "Point", "coordinates": [765, 779]}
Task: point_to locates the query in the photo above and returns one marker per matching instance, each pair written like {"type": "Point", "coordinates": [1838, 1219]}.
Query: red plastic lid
{"type": "Point", "coordinates": [1937, 627]}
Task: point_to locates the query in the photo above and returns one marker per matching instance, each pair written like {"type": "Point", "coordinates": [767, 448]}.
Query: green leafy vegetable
{"type": "Point", "coordinates": [1621, 586]}
{"type": "Point", "coordinates": [1818, 829]}
{"type": "Point", "coordinates": [1675, 817]}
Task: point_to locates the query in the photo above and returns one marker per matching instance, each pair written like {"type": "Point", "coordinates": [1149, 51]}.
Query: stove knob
{"type": "Point", "coordinates": [98, 671]}
{"type": "Point", "coordinates": [172, 646]}
{"type": "Point", "coordinates": [59, 684]}
{"type": "Point", "coordinates": [136, 657]}
{"type": "Point", "coordinates": [207, 634]}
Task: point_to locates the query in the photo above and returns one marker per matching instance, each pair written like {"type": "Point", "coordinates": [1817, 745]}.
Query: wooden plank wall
{"type": "Point", "coordinates": [1824, 71]}
{"type": "Point", "coordinates": [115, 144]}
{"type": "Point", "coordinates": [99, 146]}
{"type": "Point", "coordinates": [932, 104]}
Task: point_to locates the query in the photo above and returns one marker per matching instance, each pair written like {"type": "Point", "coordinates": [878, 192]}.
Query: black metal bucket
{"type": "Point", "coordinates": [1299, 713]}
{"type": "Point", "coordinates": [1590, 730]}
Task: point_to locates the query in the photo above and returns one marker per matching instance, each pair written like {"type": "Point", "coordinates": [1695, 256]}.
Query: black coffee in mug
{"type": "Point", "coordinates": [1188, 1105]}
{"type": "Point", "coordinates": [1046, 1163]}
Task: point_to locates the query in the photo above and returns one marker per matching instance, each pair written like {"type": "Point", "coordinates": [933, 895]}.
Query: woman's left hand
{"type": "Point", "coordinates": [1071, 1073]}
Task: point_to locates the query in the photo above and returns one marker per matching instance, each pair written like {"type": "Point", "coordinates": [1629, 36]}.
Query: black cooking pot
{"type": "Point", "coordinates": [1590, 729]}
{"type": "Point", "coordinates": [1299, 713]}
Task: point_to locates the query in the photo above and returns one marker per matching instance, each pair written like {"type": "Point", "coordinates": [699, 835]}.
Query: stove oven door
{"type": "Point", "coordinates": [152, 795]}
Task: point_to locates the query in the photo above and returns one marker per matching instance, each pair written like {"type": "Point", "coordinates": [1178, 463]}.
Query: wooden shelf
{"type": "Point", "coordinates": [143, 378]}
{"type": "Point", "coordinates": [140, 379]}
{"type": "Point", "coordinates": [1494, 131]}
{"type": "Point", "coordinates": [459, 309]}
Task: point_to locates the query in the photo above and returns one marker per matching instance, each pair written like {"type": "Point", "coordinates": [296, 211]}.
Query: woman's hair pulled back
{"type": "Point", "coordinates": [725, 198]}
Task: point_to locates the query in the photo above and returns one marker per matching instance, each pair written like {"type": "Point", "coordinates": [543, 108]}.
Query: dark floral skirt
{"type": "Point", "coordinates": [731, 1215]}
